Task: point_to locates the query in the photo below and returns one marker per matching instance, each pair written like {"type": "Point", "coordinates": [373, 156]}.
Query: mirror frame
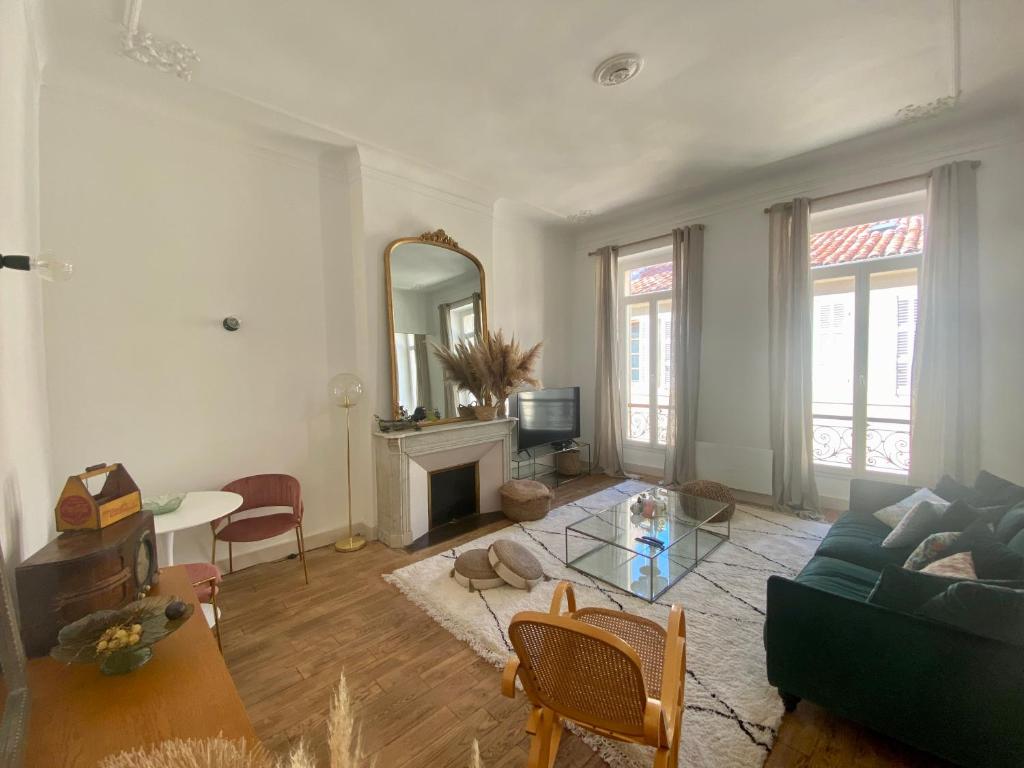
{"type": "Point", "coordinates": [441, 239]}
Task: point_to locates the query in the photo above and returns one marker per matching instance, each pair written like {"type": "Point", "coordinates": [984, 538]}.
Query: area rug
{"type": "Point", "coordinates": [732, 714]}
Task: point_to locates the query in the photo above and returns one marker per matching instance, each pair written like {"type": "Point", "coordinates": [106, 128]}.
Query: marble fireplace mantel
{"type": "Point", "coordinates": [404, 461]}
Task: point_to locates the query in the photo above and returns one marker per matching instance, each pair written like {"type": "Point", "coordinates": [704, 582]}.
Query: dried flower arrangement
{"type": "Point", "coordinates": [490, 369]}
{"type": "Point", "coordinates": [343, 740]}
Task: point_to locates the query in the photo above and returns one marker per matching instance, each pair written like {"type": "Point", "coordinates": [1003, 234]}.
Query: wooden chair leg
{"type": "Point", "coordinates": [302, 550]}
{"type": "Point", "coordinates": [544, 745]}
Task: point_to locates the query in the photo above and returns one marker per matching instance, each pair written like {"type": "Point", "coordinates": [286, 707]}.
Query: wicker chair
{"type": "Point", "coordinates": [618, 675]}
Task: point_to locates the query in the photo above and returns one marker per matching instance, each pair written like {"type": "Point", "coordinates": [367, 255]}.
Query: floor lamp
{"type": "Point", "coordinates": [346, 390]}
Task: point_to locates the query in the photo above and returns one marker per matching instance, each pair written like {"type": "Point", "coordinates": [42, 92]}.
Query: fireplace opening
{"type": "Point", "coordinates": [454, 493]}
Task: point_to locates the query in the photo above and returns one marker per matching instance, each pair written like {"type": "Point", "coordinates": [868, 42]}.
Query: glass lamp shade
{"type": "Point", "coordinates": [345, 390]}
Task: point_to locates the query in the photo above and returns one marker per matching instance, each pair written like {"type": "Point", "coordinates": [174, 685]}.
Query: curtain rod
{"type": "Point", "coordinates": [867, 187]}
{"type": "Point", "coordinates": [649, 239]}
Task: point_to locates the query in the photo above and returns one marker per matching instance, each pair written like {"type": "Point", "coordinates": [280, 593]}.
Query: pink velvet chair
{"type": "Point", "coordinates": [257, 492]}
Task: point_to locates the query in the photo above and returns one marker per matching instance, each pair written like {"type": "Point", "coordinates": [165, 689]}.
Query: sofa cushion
{"type": "Point", "coordinates": [857, 538]}
{"type": "Point", "coordinates": [958, 566]}
{"type": "Point", "coordinates": [1010, 524]}
{"type": "Point", "coordinates": [915, 527]}
{"type": "Point", "coordinates": [982, 609]}
{"type": "Point", "coordinates": [892, 514]}
{"type": "Point", "coordinates": [952, 490]}
{"type": "Point", "coordinates": [1017, 543]}
{"type": "Point", "coordinates": [935, 547]}
{"type": "Point", "coordinates": [995, 490]}
{"type": "Point", "coordinates": [906, 591]}
{"type": "Point", "coordinates": [839, 577]}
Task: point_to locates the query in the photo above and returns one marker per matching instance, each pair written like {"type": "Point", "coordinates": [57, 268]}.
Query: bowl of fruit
{"type": "Point", "coordinates": [121, 641]}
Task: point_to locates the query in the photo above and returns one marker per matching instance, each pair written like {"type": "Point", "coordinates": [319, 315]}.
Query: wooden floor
{"type": "Point", "coordinates": [421, 695]}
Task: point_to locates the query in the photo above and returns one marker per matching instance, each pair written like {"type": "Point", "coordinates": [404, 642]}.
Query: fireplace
{"type": "Point", "coordinates": [454, 493]}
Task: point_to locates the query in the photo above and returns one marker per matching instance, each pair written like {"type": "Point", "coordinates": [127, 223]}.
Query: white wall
{"type": "Point", "coordinates": [26, 498]}
{"type": "Point", "coordinates": [733, 444]}
{"type": "Point", "coordinates": [173, 226]}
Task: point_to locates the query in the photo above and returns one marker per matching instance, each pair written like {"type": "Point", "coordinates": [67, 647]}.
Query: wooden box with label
{"type": "Point", "coordinates": [78, 509]}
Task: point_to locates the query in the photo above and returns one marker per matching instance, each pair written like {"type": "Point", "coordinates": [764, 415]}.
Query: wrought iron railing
{"type": "Point", "coordinates": [639, 425]}
{"type": "Point", "coordinates": [886, 443]}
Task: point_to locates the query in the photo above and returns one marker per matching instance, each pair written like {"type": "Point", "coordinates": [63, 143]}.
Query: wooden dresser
{"type": "Point", "coordinates": [79, 716]}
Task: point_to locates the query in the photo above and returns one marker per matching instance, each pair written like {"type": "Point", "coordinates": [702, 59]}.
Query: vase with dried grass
{"type": "Point", "coordinates": [490, 369]}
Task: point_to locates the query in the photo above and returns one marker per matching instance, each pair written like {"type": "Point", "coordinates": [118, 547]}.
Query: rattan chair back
{"type": "Point", "coordinates": [580, 671]}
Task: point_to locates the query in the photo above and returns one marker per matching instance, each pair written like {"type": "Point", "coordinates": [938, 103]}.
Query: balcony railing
{"type": "Point", "coordinates": [887, 443]}
{"type": "Point", "coordinates": [639, 426]}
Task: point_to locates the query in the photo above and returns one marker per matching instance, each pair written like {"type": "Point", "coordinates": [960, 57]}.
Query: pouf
{"type": "Point", "coordinates": [515, 564]}
{"type": "Point", "coordinates": [473, 571]}
{"type": "Point", "coordinates": [709, 489]}
{"type": "Point", "coordinates": [523, 500]}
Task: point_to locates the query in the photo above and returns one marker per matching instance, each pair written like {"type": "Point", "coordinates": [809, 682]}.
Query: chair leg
{"type": "Point", "coordinates": [544, 745]}
{"type": "Point", "coordinates": [216, 619]}
{"type": "Point", "coordinates": [213, 555]}
{"type": "Point", "coordinates": [302, 550]}
{"type": "Point", "coordinates": [231, 557]}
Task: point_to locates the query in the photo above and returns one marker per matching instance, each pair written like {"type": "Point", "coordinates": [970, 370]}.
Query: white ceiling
{"type": "Point", "coordinates": [501, 94]}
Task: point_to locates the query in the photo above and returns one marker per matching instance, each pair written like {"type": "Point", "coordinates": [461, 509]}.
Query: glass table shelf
{"type": "Point", "coordinates": [609, 545]}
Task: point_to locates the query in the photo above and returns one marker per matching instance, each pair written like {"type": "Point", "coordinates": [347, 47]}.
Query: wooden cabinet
{"type": "Point", "coordinates": [79, 716]}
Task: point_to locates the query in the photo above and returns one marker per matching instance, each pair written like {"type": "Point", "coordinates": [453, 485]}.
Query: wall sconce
{"type": "Point", "coordinates": [47, 267]}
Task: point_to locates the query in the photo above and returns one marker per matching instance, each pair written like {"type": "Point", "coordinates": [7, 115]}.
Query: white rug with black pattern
{"type": "Point", "coordinates": [732, 714]}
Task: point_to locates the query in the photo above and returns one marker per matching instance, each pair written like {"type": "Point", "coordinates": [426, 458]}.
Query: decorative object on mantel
{"type": "Point", "coordinates": [397, 425]}
{"type": "Point", "coordinates": [78, 509]}
{"type": "Point", "coordinates": [490, 369]}
{"type": "Point", "coordinates": [81, 572]}
{"type": "Point", "coordinates": [121, 641]}
{"type": "Point", "coordinates": [346, 390]}
{"type": "Point", "coordinates": [14, 721]}
{"type": "Point", "coordinates": [146, 48]}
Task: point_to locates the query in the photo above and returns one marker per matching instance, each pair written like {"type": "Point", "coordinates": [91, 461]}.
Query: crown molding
{"type": "Point", "coordinates": [822, 172]}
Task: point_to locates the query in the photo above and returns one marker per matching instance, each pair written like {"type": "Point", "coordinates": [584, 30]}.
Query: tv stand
{"type": "Point", "coordinates": [553, 464]}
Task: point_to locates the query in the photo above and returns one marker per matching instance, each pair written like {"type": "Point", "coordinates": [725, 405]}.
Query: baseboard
{"type": "Point", "coordinates": [274, 552]}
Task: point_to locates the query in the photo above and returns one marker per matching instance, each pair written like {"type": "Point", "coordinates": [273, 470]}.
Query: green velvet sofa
{"type": "Point", "coordinates": [944, 690]}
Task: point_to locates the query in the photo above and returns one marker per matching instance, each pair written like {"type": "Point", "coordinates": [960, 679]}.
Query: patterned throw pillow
{"type": "Point", "coordinates": [931, 549]}
{"type": "Point", "coordinates": [892, 514]}
{"type": "Point", "coordinates": [915, 526]}
{"type": "Point", "coordinates": [958, 566]}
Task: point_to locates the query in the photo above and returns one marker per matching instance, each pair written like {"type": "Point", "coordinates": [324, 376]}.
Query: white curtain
{"type": "Point", "coordinates": [790, 359]}
{"type": "Point", "coordinates": [608, 389]}
{"type": "Point", "coordinates": [945, 407]}
{"type": "Point", "coordinates": [451, 392]}
{"type": "Point", "coordinates": [687, 309]}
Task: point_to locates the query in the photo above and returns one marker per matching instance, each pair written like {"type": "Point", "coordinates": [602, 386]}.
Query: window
{"type": "Point", "coordinates": [865, 317]}
{"type": "Point", "coordinates": [647, 326]}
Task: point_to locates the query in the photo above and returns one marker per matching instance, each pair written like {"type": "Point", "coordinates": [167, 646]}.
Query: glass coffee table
{"type": "Point", "coordinates": [646, 553]}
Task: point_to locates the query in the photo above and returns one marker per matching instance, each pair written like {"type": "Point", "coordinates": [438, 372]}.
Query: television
{"type": "Point", "coordinates": [546, 416]}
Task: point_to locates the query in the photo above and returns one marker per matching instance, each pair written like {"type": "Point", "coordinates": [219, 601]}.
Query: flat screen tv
{"type": "Point", "coordinates": [547, 416]}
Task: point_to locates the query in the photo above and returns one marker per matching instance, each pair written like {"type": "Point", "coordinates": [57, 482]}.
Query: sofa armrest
{"type": "Point", "coordinates": [900, 674]}
{"type": "Point", "coordinates": [868, 496]}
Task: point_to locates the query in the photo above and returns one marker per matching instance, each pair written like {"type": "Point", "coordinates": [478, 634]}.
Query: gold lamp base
{"type": "Point", "coordinates": [350, 543]}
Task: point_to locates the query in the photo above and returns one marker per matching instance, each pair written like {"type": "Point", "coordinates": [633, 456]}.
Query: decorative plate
{"type": "Point", "coordinates": [161, 505]}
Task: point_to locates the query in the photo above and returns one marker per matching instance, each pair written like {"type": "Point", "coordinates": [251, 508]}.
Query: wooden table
{"type": "Point", "coordinates": [79, 715]}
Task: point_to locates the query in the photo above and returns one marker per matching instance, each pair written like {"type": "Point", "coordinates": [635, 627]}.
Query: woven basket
{"type": "Point", "coordinates": [568, 463]}
{"type": "Point", "coordinates": [485, 412]}
{"type": "Point", "coordinates": [709, 489]}
{"type": "Point", "coordinates": [523, 500]}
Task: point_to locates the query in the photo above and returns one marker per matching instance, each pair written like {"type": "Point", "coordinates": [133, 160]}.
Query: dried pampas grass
{"type": "Point", "coordinates": [343, 741]}
{"type": "Point", "coordinates": [490, 369]}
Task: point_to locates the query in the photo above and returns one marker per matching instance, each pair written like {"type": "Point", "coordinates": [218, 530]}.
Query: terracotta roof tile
{"type": "Point", "coordinates": [657, 277]}
{"type": "Point", "coordinates": [875, 240]}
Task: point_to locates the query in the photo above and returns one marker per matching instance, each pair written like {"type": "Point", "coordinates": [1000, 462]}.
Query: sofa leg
{"type": "Point", "coordinates": [789, 701]}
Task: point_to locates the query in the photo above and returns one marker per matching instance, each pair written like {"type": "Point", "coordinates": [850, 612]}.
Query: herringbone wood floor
{"type": "Point", "coordinates": [421, 695]}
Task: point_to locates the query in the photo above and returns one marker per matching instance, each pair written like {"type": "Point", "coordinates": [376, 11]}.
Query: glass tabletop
{"type": "Point", "coordinates": [674, 517]}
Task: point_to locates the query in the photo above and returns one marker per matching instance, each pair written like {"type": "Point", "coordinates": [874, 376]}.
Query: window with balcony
{"type": "Point", "coordinates": [865, 315]}
{"type": "Point", "coordinates": [646, 326]}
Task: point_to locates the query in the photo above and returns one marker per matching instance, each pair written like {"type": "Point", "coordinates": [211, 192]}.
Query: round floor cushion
{"type": "Point", "coordinates": [523, 500]}
{"type": "Point", "coordinates": [515, 564]}
{"type": "Point", "coordinates": [709, 489]}
{"type": "Point", "coordinates": [473, 571]}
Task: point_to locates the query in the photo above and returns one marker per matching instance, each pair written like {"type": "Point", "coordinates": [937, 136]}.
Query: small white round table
{"type": "Point", "coordinates": [197, 508]}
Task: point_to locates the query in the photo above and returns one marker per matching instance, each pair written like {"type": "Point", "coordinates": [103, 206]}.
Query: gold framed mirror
{"type": "Point", "coordinates": [436, 294]}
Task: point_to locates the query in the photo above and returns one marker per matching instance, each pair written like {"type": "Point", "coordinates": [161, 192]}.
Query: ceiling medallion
{"type": "Point", "coordinates": [618, 69]}
{"type": "Point", "coordinates": [164, 55]}
{"type": "Point", "coordinates": [913, 112]}
{"type": "Point", "coordinates": [579, 217]}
